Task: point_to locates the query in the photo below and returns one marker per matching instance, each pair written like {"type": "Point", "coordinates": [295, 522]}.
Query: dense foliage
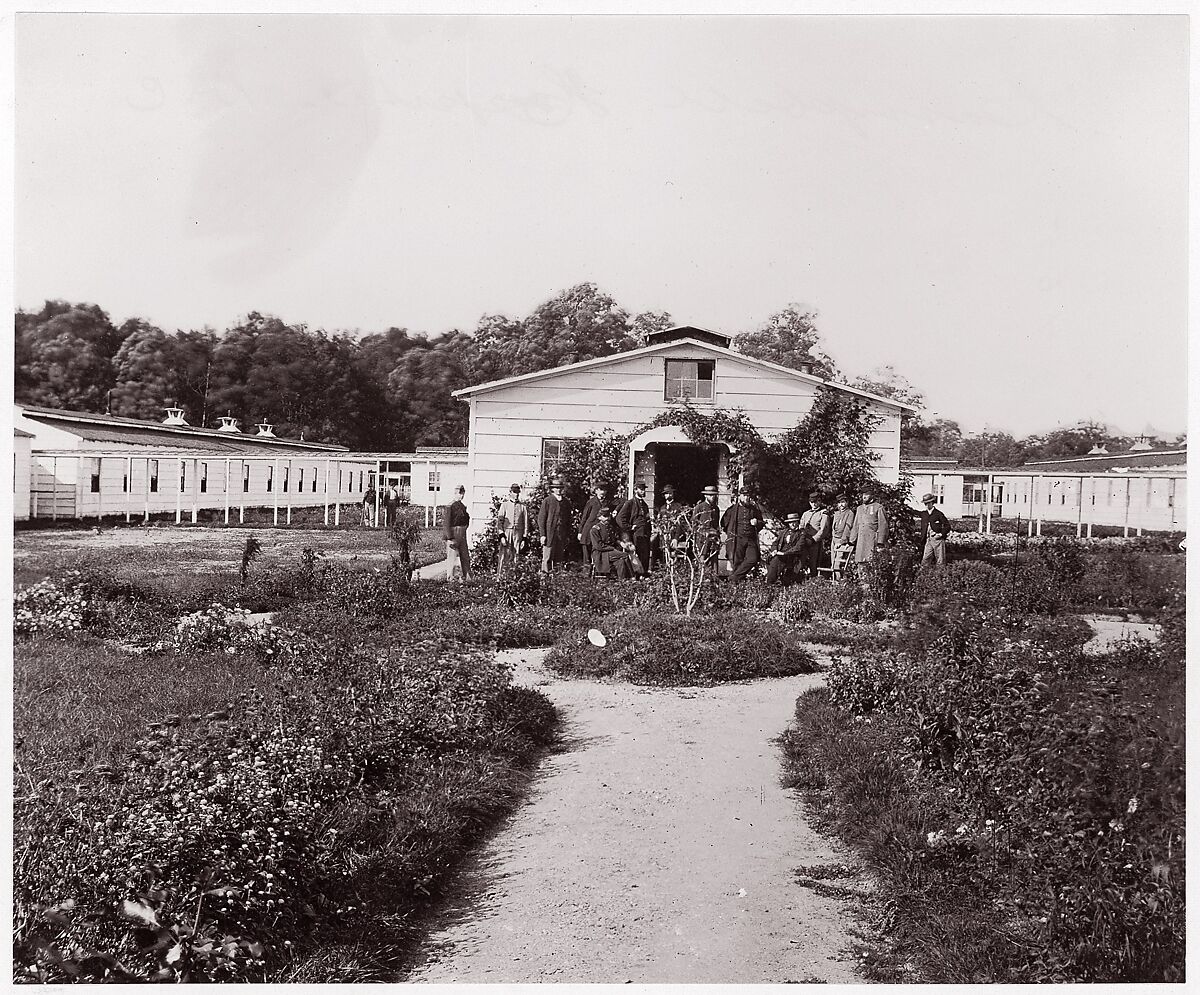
{"type": "Point", "coordinates": [392, 390]}
{"type": "Point", "coordinates": [203, 799]}
{"type": "Point", "coordinates": [1020, 800]}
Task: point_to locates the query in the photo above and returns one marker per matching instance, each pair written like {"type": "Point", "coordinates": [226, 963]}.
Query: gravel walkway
{"type": "Point", "coordinates": [657, 847]}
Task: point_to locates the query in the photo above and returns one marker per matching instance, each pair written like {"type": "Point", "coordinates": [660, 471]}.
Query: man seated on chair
{"type": "Point", "coordinates": [817, 526]}
{"type": "Point", "coordinates": [785, 561]}
{"type": "Point", "coordinates": [609, 557]}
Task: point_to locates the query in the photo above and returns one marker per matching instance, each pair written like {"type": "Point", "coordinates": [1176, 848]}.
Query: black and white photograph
{"type": "Point", "coordinates": [529, 493]}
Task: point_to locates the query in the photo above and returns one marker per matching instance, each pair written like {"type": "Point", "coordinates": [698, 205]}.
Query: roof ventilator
{"type": "Point", "coordinates": [267, 429]}
{"type": "Point", "coordinates": [228, 424]}
{"type": "Point", "coordinates": [174, 417]}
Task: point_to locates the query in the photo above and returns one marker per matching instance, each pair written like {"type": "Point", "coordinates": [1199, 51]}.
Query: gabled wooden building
{"type": "Point", "coordinates": [518, 425]}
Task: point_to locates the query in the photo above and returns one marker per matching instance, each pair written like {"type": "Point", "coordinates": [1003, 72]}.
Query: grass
{"type": "Point", "coordinates": [424, 746]}
{"type": "Point", "coordinates": [650, 647]}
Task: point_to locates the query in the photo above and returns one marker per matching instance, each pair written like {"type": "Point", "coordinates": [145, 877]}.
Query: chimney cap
{"type": "Point", "coordinates": [228, 424]}
{"type": "Point", "coordinates": [174, 417]}
{"type": "Point", "coordinates": [266, 428]}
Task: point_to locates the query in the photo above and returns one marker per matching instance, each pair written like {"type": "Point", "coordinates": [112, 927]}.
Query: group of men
{"type": "Point", "coordinates": [623, 541]}
{"type": "Point", "coordinates": [385, 502]}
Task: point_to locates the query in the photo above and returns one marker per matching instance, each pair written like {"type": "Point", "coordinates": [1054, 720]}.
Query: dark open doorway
{"type": "Point", "coordinates": [689, 468]}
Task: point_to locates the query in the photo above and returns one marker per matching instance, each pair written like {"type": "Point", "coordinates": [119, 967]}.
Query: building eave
{"type": "Point", "coordinates": [493, 385]}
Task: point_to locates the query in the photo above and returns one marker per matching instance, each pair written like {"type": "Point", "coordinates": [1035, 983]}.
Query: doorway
{"type": "Point", "coordinates": [689, 468]}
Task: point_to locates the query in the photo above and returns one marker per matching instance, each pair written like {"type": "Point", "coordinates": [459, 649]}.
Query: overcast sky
{"type": "Point", "coordinates": [995, 206]}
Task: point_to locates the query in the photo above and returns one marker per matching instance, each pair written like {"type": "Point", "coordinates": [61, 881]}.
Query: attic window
{"type": "Point", "coordinates": [690, 379]}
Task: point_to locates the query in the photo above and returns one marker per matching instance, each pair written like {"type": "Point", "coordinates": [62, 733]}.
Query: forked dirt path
{"type": "Point", "coordinates": [657, 846]}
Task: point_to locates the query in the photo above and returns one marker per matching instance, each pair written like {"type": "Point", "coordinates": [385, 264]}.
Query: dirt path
{"type": "Point", "coordinates": [657, 847]}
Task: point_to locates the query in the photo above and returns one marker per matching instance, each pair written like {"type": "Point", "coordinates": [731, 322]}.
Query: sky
{"type": "Point", "coordinates": [995, 206]}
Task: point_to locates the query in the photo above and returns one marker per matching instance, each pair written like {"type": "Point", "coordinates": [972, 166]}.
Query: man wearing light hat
{"type": "Point", "coordinates": [554, 526]}
{"type": "Point", "coordinates": [706, 519]}
{"type": "Point", "coordinates": [512, 522]}
{"type": "Point", "coordinates": [935, 526]}
{"type": "Point", "coordinates": [818, 526]}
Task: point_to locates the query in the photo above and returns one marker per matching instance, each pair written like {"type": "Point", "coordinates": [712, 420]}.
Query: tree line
{"type": "Point", "coordinates": [391, 390]}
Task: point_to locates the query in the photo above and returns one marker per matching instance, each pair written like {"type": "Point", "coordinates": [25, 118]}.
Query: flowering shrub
{"type": "Point", "coordinates": [49, 609]}
{"type": "Point", "coordinates": [222, 845]}
{"type": "Point", "coordinates": [1024, 781]}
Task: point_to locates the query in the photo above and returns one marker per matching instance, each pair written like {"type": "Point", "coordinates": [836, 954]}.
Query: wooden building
{"type": "Point", "coordinates": [85, 465]}
{"type": "Point", "coordinates": [1136, 490]}
{"type": "Point", "coordinates": [518, 425]}
{"type": "Point", "coordinates": [21, 467]}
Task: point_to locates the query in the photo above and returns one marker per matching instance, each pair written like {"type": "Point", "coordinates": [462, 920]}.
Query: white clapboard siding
{"type": "Point", "coordinates": [509, 423]}
{"type": "Point", "coordinates": [22, 470]}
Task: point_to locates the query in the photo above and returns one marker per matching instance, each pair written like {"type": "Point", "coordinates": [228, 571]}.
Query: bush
{"type": "Point", "coordinates": [653, 648]}
{"type": "Point", "coordinates": [1037, 788]}
{"type": "Point", "coordinates": [301, 793]}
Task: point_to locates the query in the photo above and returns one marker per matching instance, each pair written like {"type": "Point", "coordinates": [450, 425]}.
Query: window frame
{"type": "Point", "coordinates": [701, 364]}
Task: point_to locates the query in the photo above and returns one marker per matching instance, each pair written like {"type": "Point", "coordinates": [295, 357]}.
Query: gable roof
{"type": "Point", "coordinates": [135, 431]}
{"type": "Point", "coordinates": [617, 357]}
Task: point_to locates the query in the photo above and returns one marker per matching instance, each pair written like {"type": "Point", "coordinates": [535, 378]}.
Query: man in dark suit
{"type": "Point", "coordinates": [609, 557]}
{"type": "Point", "coordinates": [591, 511]}
{"type": "Point", "coordinates": [454, 529]}
{"type": "Point", "coordinates": [936, 527]}
{"type": "Point", "coordinates": [784, 562]}
{"type": "Point", "coordinates": [741, 523]}
{"type": "Point", "coordinates": [554, 526]}
{"type": "Point", "coordinates": [633, 520]}
{"type": "Point", "coordinates": [706, 520]}
{"type": "Point", "coordinates": [670, 524]}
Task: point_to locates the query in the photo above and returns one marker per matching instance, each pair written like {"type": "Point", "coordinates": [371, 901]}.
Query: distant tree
{"type": "Point", "coordinates": [789, 338]}
{"type": "Point", "coordinates": [991, 449]}
{"type": "Point", "coordinates": [380, 352]}
{"type": "Point", "coordinates": [1077, 440]}
{"type": "Point", "coordinates": [938, 438]}
{"type": "Point", "coordinates": [648, 322]}
{"type": "Point", "coordinates": [152, 370]}
{"type": "Point", "coordinates": [577, 324]}
{"type": "Point", "coordinates": [66, 352]}
{"type": "Point", "coordinates": [421, 386]}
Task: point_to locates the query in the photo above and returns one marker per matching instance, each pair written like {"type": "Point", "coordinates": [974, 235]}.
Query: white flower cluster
{"type": "Point", "coordinates": [48, 609]}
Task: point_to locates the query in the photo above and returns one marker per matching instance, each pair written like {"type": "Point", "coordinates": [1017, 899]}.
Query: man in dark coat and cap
{"type": "Point", "coordinates": [633, 519]}
{"type": "Point", "coordinates": [554, 526]}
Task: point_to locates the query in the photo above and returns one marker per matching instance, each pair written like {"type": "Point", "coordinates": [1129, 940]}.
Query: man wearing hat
{"type": "Point", "coordinates": [784, 562]}
{"type": "Point", "coordinates": [512, 522]}
{"type": "Point", "coordinates": [670, 523]}
{"type": "Point", "coordinates": [870, 528]}
{"type": "Point", "coordinates": [706, 520]}
{"type": "Point", "coordinates": [609, 556]}
{"type": "Point", "coordinates": [455, 522]}
{"type": "Point", "coordinates": [591, 511]}
{"type": "Point", "coordinates": [554, 526]}
{"type": "Point", "coordinates": [817, 527]}
{"type": "Point", "coordinates": [935, 526]}
{"type": "Point", "coordinates": [633, 519]}
{"type": "Point", "coordinates": [840, 528]}
{"type": "Point", "coordinates": [742, 523]}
